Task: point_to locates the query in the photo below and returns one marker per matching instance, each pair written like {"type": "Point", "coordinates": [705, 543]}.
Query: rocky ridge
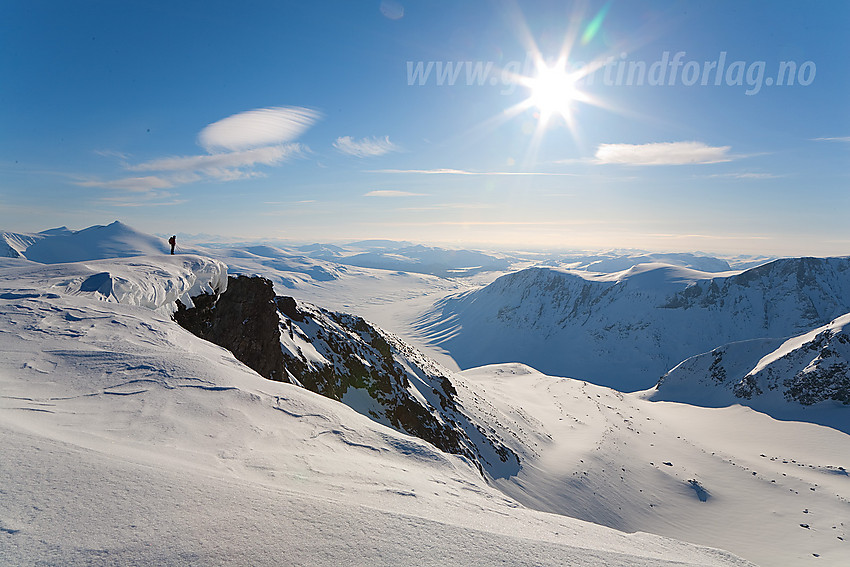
{"type": "Point", "coordinates": [345, 358]}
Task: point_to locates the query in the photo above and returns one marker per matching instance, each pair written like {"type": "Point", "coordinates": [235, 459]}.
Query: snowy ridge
{"type": "Point", "coordinates": [806, 377]}
{"type": "Point", "coordinates": [127, 440]}
{"type": "Point", "coordinates": [627, 329]}
{"type": "Point", "coordinates": [795, 343]}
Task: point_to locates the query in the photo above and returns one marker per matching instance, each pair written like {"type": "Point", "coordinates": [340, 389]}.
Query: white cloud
{"type": "Point", "coordinates": [665, 153]}
{"type": "Point", "coordinates": [257, 128]}
{"type": "Point", "coordinates": [834, 139]}
{"type": "Point", "coordinates": [366, 147]}
{"type": "Point", "coordinates": [391, 193]}
{"type": "Point", "coordinates": [255, 137]}
{"type": "Point", "coordinates": [392, 9]}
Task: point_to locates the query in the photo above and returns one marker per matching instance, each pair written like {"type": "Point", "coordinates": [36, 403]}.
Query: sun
{"type": "Point", "coordinates": [553, 91]}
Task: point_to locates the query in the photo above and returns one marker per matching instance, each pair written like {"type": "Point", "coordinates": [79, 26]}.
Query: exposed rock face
{"type": "Point", "coordinates": [768, 374]}
{"type": "Point", "coordinates": [343, 357]}
{"type": "Point", "coordinates": [243, 320]}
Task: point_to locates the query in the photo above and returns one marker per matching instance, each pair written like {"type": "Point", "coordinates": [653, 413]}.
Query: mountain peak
{"type": "Point", "coordinates": [116, 240]}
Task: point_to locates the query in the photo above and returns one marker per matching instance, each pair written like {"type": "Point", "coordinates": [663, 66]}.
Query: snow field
{"type": "Point", "coordinates": [126, 440]}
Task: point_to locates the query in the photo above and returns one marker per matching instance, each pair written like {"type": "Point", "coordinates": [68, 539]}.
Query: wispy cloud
{"type": "Point", "coordinates": [257, 128]}
{"type": "Point", "coordinates": [452, 206]}
{"type": "Point", "coordinates": [133, 184]}
{"type": "Point", "coordinates": [122, 202]}
{"type": "Point", "coordinates": [365, 147]}
{"type": "Point", "coordinates": [235, 146]}
{"type": "Point", "coordinates": [216, 163]}
{"type": "Point", "coordinates": [112, 153]}
{"type": "Point", "coordinates": [466, 172]}
{"type": "Point", "coordinates": [665, 153]}
{"type": "Point", "coordinates": [392, 193]}
{"type": "Point", "coordinates": [833, 139]}
{"type": "Point", "coordinates": [747, 175]}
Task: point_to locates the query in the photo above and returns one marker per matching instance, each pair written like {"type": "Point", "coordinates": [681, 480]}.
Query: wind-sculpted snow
{"type": "Point", "coordinates": [627, 329]}
{"type": "Point", "coordinates": [156, 283]}
{"type": "Point", "coordinates": [129, 441]}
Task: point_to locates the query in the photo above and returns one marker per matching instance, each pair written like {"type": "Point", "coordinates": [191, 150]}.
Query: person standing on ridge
{"type": "Point", "coordinates": [173, 242]}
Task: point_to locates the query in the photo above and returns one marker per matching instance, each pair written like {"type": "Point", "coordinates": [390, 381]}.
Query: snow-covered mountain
{"type": "Point", "coordinates": [127, 440]}
{"type": "Point", "coordinates": [116, 240]}
{"type": "Point", "coordinates": [14, 244]}
{"type": "Point", "coordinates": [429, 260]}
{"type": "Point", "coordinates": [617, 262]}
{"type": "Point", "coordinates": [803, 377]}
{"type": "Point", "coordinates": [627, 329]}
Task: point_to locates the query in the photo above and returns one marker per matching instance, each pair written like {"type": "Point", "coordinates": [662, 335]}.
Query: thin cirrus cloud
{"type": "Point", "coordinates": [833, 139]}
{"type": "Point", "coordinates": [235, 146]}
{"type": "Point", "coordinates": [268, 155]}
{"type": "Point", "coordinates": [141, 184]}
{"type": "Point", "coordinates": [664, 153]}
{"type": "Point", "coordinates": [365, 147]}
{"type": "Point", "coordinates": [747, 175]}
{"type": "Point", "coordinates": [392, 193]}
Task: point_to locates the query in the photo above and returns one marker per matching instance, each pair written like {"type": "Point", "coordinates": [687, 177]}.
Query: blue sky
{"type": "Point", "coordinates": [299, 121]}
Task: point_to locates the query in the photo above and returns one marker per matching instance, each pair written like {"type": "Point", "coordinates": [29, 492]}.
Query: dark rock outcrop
{"type": "Point", "coordinates": [244, 320]}
{"type": "Point", "coordinates": [342, 357]}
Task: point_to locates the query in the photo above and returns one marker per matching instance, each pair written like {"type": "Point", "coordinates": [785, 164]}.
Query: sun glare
{"type": "Point", "coordinates": [553, 92]}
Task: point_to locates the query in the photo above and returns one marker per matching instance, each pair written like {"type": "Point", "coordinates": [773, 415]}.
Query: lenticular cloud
{"type": "Point", "coordinates": [257, 128]}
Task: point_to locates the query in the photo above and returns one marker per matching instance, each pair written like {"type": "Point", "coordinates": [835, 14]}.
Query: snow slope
{"type": "Point", "coordinates": [773, 492]}
{"type": "Point", "coordinates": [13, 244]}
{"type": "Point", "coordinates": [127, 440]}
{"type": "Point", "coordinates": [806, 377]}
{"type": "Point", "coordinates": [627, 329]}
